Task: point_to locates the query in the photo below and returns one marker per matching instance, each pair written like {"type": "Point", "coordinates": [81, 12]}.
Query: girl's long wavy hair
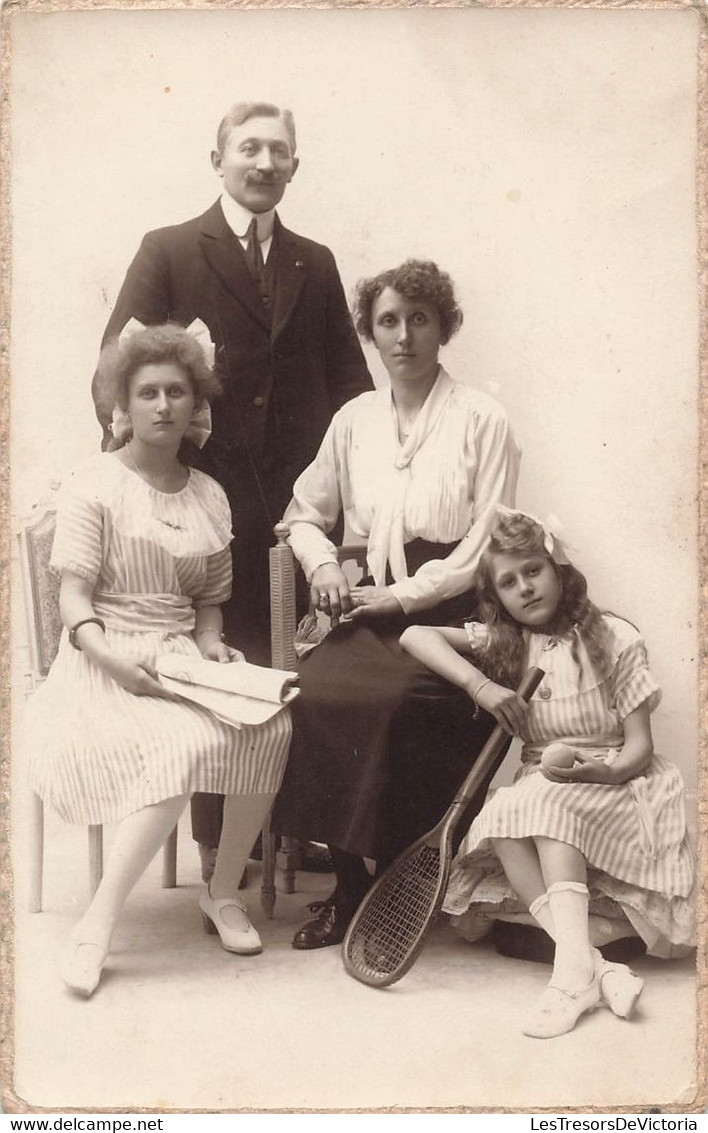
{"type": "Point", "coordinates": [503, 656]}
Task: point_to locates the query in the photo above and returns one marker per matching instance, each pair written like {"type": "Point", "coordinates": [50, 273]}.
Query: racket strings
{"type": "Point", "coordinates": [389, 927]}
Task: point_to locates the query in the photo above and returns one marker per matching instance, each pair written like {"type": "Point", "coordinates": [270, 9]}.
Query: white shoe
{"type": "Point", "coordinates": [558, 1011]}
{"type": "Point", "coordinates": [243, 938]}
{"type": "Point", "coordinates": [82, 965]}
{"type": "Point", "coordinates": [619, 986]}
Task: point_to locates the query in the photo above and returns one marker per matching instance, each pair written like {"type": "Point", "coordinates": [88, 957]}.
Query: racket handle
{"type": "Point", "coordinates": [494, 745]}
{"type": "Point", "coordinates": [529, 683]}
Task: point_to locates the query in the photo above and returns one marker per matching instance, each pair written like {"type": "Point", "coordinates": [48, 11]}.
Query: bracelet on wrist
{"type": "Point", "coordinates": [201, 633]}
{"type": "Point", "coordinates": [480, 686]}
{"type": "Point", "coordinates": [78, 625]}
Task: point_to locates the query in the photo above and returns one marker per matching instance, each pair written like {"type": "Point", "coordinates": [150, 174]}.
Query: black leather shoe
{"type": "Point", "coordinates": [328, 927]}
{"type": "Point", "coordinates": [315, 858]}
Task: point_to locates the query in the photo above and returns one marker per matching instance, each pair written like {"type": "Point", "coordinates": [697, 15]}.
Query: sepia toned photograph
{"type": "Point", "coordinates": [354, 426]}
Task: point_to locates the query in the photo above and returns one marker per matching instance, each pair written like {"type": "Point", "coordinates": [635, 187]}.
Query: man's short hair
{"type": "Point", "coordinates": [240, 112]}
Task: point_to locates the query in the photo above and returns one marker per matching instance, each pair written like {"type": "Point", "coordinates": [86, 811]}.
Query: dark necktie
{"type": "Point", "coordinates": [254, 253]}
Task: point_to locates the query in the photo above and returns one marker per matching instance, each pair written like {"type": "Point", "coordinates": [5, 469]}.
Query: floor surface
{"type": "Point", "coordinates": [179, 1023]}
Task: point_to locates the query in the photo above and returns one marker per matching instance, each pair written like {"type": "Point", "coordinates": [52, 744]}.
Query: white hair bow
{"type": "Point", "coordinates": [197, 328]}
{"type": "Point", "coordinates": [551, 528]}
{"type": "Point", "coordinates": [198, 430]}
{"type": "Point", "coordinates": [200, 331]}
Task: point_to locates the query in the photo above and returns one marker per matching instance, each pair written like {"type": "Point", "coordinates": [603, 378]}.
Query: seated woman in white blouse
{"type": "Point", "coordinates": [379, 743]}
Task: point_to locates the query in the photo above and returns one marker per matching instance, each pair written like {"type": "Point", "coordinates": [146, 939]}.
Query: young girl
{"type": "Point", "coordinates": [592, 808]}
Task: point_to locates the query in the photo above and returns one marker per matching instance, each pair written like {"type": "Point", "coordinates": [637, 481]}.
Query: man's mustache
{"type": "Point", "coordinates": [260, 179]}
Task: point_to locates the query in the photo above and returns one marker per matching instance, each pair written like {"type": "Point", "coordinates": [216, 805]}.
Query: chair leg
{"type": "Point", "coordinates": [169, 862]}
{"type": "Point", "coordinates": [36, 854]}
{"type": "Point", "coordinates": [268, 879]}
{"type": "Point", "coordinates": [95, 845]}
{"type": "Point", "coordinates": [288, 860]}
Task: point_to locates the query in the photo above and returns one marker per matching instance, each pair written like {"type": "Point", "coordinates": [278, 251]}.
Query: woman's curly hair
{"type": "Point", "coordinates": [415, 279]}
{"type": "Point", "coordinates": [166, 343]}
{"type": "Point", "coordinates": [503, 655]}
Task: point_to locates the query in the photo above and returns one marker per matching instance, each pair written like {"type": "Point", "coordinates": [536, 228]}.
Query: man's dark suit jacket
{"type": "Point", "coordinates": [284, 371]}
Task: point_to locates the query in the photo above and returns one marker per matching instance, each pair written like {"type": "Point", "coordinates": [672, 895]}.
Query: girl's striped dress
{"type": "Point", "coordinates": [97, 752]}
{"type": "Point", "coordinates": [632, 835]}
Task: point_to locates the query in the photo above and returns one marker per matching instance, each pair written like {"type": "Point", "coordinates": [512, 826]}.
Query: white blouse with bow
{"type": "Point", "coordinates": [442, 484]}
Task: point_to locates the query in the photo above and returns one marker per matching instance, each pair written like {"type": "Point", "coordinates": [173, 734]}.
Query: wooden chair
{"type": "Point", "coordinates": [283, 624]}
{"type": "Point", "coordinates": [41, 595]}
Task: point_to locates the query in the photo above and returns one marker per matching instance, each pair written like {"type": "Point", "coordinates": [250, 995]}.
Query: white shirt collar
{"type": "Point", "coordinates": [239, 218]}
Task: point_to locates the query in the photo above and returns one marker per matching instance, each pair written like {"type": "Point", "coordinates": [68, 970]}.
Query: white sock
{"type": "Point", "coordinates": [540, 910]}
{"type": "Point", "coordinates": [573, 965]}
{"type": "Point", "coordinates": [601, 930]}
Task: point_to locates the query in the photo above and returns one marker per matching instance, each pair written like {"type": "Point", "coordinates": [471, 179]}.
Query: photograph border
{"type": "Point", "coordinates": [10, 1101]}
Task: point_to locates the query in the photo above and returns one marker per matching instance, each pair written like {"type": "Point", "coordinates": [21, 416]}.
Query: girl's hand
{"type": "Point", "coordinates": [507, 708]}
{"type": "Point", "coordinates": [139, 676]}
{"type": "Point", "coordinates": [586, 769]}
{"type": "Point", "coordinates": [221, 652]}
{"type": "Point", "coordinates": [374, 602]}
{"type": "Point", "coordinates": [329, 591]}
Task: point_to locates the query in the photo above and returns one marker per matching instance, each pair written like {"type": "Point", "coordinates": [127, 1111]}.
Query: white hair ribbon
{"type": "Point", "coordinates": [133, 326]}
{"type": "Point", "coordinates": [199, 429]}
{"type": "Point", "coordinates": [200, 331]}
{"type": "Point", "coordinates": [551, 528]}
{"type": "Point", "coordinates": [197, 328]}
{"type": "Point", "coordinates": [121, 426]}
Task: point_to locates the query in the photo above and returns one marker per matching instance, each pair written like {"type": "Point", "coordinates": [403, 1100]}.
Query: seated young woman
{"type": "Point", "coordinates": [142, 546]}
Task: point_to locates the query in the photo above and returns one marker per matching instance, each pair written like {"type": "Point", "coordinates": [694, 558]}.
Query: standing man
{"type": "Point", "coordinates": [286, 350]}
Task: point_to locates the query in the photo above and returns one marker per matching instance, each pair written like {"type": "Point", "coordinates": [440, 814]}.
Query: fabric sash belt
{"type": "Point", "coordinates": [145, 613]}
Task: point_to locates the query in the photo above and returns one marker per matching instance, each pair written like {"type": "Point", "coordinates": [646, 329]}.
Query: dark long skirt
{"type": "Point", "coordinates": [380, 744]}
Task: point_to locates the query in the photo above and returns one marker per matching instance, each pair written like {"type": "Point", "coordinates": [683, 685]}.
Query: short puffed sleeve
{"type": "Point", "coordinates": [477, 635]}
{"type": "Point", "coordinates": [207, 515]}
{"type": "Point", "coordinates": [631, 681]}
{"type": "Point", "coordinates": [216, 588]}
{"type": "Point", "coordinates": [216, 504]}
{"type": "Point", "coordinates": [78, 536]}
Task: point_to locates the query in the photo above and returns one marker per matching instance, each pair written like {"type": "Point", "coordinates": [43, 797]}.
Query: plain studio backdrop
{"type": "Point", "coordinates": [546, 159]}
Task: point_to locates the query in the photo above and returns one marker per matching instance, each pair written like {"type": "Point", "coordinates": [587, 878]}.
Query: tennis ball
{"type": "Point", "coordinates": [558, 755]}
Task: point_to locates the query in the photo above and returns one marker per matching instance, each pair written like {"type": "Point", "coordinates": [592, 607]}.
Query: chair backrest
{"type": "Point", "coordinates": [41, 589]}
{"type": "Point", "coordinates": [283, 615]}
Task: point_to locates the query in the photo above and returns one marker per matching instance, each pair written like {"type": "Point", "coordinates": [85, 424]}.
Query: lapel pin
{"type": "Point", "coordinates": [299, 264]}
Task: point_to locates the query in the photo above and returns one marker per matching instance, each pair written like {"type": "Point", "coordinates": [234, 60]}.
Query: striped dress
{"type": "Point", "coordinates": [97, 752]}
{"type": "Point", "coordinates": [632, 835]}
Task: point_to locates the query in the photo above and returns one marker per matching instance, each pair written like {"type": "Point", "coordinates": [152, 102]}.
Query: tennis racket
{"type": "Point", "coordinates": [389, 927]}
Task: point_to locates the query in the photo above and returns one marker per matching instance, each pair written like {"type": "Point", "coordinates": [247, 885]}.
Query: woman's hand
{"type": "Point", "coordinates": [506, 706]}
{"type": "Point", "coordinates": [137, 675]}
{"type": "Point", "coordinates": [374, 602]}
{"type": "Point", "coordinates": [329, 591]}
